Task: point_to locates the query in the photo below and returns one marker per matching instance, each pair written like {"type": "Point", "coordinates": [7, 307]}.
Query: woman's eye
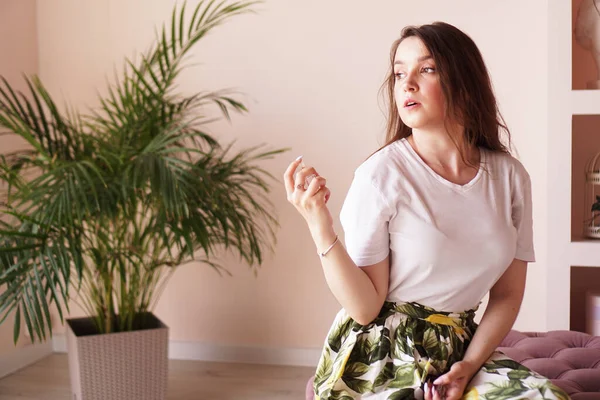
{"type": "Point", "coordinates": [429, 69]}
{"type": "Point", "coordinates": [399, 75]}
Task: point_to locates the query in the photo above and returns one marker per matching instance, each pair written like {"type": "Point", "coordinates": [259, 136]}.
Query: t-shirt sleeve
{"type": "Point", "coordinates": [522, 217]}
{"type": "Point", "coordinates": [365, 217]}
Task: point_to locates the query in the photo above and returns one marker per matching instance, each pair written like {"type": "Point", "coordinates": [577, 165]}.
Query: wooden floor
{"type": "Point", "coordinates": [48, 379]}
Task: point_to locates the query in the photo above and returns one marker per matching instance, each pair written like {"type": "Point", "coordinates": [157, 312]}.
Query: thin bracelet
{"type": "Point", "coordinates": [323, 254]}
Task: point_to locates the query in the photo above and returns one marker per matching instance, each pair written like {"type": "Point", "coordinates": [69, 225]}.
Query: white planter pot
{"type": "Point", "coordinates": [118, 366]}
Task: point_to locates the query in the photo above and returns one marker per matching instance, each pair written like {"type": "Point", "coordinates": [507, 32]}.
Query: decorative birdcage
{"type": "Point", "coordinates": [591, 224]}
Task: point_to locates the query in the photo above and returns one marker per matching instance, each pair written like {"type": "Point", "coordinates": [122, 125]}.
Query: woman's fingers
{"type": "Point", "coordinates": [306, 189]}
{"type": "Point", "coordinates": [315, 184]}
{"type": "Point", "coordinates": [437, 392]}
{"type": "Point", "coordinates": [327, 194]}
{"type": "Point", "coordinates": [288, 176]}
{"type": "Point", "coordinates": [317, 194]}
{"type": "Point", "coordinates": [304, 177]}
{"type": "Point", "coordinates": [427, 392]}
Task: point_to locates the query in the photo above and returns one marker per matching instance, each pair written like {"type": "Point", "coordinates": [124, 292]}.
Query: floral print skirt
{"type": "Point", "coordinates": [407, 345]}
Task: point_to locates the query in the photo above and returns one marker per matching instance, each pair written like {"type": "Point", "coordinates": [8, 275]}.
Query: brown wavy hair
{"type": "Point", "coordinates": [466, 85]}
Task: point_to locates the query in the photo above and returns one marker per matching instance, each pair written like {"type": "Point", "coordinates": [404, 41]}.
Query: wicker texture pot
{"type": "Point", "coordinates": [118, 366]}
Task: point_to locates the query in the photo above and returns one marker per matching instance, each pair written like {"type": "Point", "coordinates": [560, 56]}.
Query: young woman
{"type": "Point", "coordinates": [434, 220]}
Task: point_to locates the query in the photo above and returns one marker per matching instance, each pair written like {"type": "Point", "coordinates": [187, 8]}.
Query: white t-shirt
{"type": "Point", "coordinates": [449, 243]}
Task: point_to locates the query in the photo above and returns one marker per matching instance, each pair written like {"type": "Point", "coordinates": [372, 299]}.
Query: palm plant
{"type": "Point", "coordinates": [108, 203]}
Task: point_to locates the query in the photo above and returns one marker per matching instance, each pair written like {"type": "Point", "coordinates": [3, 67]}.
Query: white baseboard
{"type": "Point", "coordinates": [20, 358]}
{"type": "Point", "coordinates": [222, 353]}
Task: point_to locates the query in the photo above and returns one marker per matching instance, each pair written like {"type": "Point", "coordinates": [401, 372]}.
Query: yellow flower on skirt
{"type": "Point", "coordinates": [441, 319]}
{"type": "Point", "coordinates": [336, 376]}
{"type": "Point", "coordinates": [472, 394]}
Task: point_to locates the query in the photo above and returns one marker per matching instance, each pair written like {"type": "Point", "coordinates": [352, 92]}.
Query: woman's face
{"type": "Point", "coordinates": [417, 88]}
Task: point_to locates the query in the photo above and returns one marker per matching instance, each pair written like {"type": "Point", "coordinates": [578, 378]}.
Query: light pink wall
{"type": "Point", "coordinates": [310, 72]}
{"type": "Point", "coordinates": [18, 47]}
{"type": "Point", "coordinates": [18, 43]}
{"type": "Point", "coordinates": [583, 64]}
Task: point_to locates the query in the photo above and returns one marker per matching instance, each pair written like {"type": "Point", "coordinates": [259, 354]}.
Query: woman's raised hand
{"type": "Point", "coordinates": [308, 192]}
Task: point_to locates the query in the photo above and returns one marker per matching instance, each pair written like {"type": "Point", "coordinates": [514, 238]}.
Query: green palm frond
{"type": "Point", "coordinates": [36, 263]}
{"type": "Point", "coordinates": [110, 202]}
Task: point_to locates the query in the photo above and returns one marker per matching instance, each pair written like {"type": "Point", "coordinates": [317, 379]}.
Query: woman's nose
{"type": "Point", "coordinates": [409, 84]}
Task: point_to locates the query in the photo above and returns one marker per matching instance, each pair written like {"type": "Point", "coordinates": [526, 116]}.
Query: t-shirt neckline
{"type": "Point", "coordinates": [455, 186]}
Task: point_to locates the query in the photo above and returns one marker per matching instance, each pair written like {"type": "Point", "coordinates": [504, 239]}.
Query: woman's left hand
{"type": "Point", "coordinates": [451, 385]}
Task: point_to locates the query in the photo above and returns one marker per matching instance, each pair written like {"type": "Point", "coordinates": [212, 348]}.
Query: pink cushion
{"type": "Point", "coordinates": [571, 360]}
{"type": "Point", "coordinates": [310, 392]}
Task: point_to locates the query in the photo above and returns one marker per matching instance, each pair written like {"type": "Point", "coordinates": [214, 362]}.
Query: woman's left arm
{"type": "Point", "coordinates": [503, 307]}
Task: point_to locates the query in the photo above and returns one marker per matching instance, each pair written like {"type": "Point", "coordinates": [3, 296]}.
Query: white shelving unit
{"type": "Point", "coordinates": [564, 104]}
{"type": "Point", "coordinates": [585, 253]}
{"type": "Point", "coordinates": [585, 102]}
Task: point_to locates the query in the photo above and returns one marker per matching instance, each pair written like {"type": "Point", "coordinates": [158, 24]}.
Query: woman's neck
{"type": "Point", "coordinates": [441, 153]}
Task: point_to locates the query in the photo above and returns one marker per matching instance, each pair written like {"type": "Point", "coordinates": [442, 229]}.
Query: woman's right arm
{"type": "Point", "coordinates": [360, 291]}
